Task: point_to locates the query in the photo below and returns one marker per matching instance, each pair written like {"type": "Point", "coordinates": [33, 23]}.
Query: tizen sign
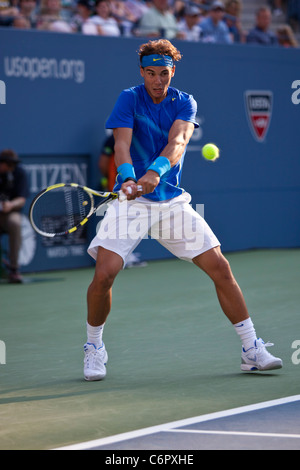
{"type": "Point", "coordinates": [259, 106]}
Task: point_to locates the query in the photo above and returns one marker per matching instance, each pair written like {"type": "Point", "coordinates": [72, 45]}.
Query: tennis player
{"type": "Point", "coordinates": [152, 124]}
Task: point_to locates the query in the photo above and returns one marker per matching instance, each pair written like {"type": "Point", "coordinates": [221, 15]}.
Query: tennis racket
{"type": "Point", "coordinates": [63, 208]}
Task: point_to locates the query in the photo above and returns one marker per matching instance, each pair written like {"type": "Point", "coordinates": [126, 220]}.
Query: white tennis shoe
{"type": "Point", "coordinates": [258, 358]}
{"type": "Point", "coordinates": [95, 360]}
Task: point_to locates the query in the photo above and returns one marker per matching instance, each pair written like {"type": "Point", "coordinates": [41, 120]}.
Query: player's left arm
{"type": "Point", "coordinates": [179, 136]}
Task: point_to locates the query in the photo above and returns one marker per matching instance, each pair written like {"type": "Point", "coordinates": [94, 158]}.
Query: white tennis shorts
{"type": "Point", "coordinates": [173, 223]}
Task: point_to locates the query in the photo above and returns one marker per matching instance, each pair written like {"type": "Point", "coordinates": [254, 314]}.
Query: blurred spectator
{"type": "Point", "coordinates": [124, 16]}
{"type": "Point", "coordinates": [51, 17]}
{"type": "Point", "coordinates": [128, 13]}
{"type": "Point", "coordinates": [178, 8]}
{"type": "Point", "coordinates": [117, 8]}
{"type": "Point", "coordinates": [213, 27]}
{"type": "Point", "coordinates": [189, 25]}
{"type": "Point", "coordinates": [158, 21]}
{"type": "Point", "coordinates": [206, 5]}
{"type": "Point", "coordinates": [137, 8]}
{"type": "Point", "coordinates": [105, 23]}
{"type": "Point", "coordinates": [261, 33]}
{"type": "Point", "coordinates": [13, 194]}
{"type": "Point", "coordinates": [278, 7]}
{"type": "Point", "coordinates": [286, 37]}
{"type": "Point", "coordinates": [293, 14]}
{"type": "Point", "coordinates": [21, 22]}
{"type": "Point", "coordinates": [67, 9]}
{"type": "Point", "coordinates": [7, 8]}
{"type": "Point", "coordinates": [232, 19]}
{"type": "Point", "coordinates": [81, 21]}
{"type": "Point", "coordinates": [7, 12]}
{"type": "Point", "coordinates": [28, 9]}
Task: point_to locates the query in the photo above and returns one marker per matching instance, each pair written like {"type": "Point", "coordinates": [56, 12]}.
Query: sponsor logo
{"type": "Point", "coordinates": [259, 106]}
{"type": "Point", "coordinates": [42, 175]}
{"type": "Point", "coordinates": [33, 68]}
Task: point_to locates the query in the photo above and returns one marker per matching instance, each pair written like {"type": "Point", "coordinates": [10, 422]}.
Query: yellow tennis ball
{"type": "Point", "coordinates": [210, 152]}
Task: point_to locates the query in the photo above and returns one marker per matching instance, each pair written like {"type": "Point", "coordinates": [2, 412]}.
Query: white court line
{"type": "Point", "coordinates": [175, 424]}
{"type": "Point", "coordinates": [235, 433]}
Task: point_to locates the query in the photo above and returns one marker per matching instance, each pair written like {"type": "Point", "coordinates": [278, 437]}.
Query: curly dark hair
{"type": "Point", "coordinates": [160, 46]}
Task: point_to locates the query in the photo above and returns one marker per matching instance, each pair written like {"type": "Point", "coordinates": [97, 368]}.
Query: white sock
{"type": "Point", "coordinates": [94, 334]}
{"type": "Point", "coordinates": [245, 330]}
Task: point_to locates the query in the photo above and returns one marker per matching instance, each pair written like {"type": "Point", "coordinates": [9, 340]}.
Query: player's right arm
{"type": "Point", "coordinates": [123, 138]}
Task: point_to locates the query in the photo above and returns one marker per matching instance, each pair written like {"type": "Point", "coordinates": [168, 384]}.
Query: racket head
{"type": "Point", "coordinates": [63, 208]}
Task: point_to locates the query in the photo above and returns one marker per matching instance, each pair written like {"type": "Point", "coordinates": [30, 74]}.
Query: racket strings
{"type": "Point", "coordinates": [84, 205]}
{"type": "Point", "coordinates": [69, 207]}
{"type": "Point", "coordinates": [60, 209]}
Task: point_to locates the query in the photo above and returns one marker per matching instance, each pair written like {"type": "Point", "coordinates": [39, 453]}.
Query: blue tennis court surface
{"type": "Point", "coordinates": [272, 425]}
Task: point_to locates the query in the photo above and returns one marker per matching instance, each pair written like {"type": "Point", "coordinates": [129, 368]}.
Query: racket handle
{"type": "Point", "coordinates": [123, 196]}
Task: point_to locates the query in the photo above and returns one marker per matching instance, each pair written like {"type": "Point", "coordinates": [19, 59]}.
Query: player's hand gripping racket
{"type": "Point", "coordinates": [63, 208]}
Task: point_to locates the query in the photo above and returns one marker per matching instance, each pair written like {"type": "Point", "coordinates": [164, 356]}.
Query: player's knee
{"type": "Point", "coordinates": [104, 278]}
{"type": "Point", "coordinates": [218, 268]}
{"type": "Point", "coordinates": [223, 271]}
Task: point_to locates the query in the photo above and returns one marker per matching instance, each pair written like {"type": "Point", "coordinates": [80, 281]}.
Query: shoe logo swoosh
{"type": "Point", "coordinates": [253, 358]}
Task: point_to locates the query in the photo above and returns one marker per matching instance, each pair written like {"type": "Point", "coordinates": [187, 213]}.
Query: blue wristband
{"type": "Point", "coordinates": [126, 171]}
{"type": "Point", "coordinates": [161, 165]}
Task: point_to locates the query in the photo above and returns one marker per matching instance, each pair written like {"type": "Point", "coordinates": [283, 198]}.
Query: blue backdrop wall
{"type": "Point", "coordinates": [57, 90]}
